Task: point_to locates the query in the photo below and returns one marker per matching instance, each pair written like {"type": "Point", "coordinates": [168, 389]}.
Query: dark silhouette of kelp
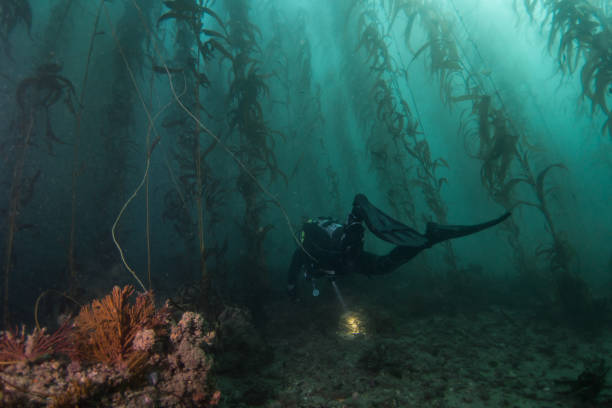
{"type": "Point", "coordinates": [248, 87]}
{"type": "Point", "coordinates": [35, 95]}
{"type": "Point", "coordinates": [72, 269]}
{"type": "Point", "coordinates": [394, 113]}
{"type": "Point", "coordinates": [12, 13]}
{"type": "Point", "coordinates": [580, 37]}
{"type": "Point", "coordinates": [507, 163]}
{"type": "Point", "coordinates": [197, 182]}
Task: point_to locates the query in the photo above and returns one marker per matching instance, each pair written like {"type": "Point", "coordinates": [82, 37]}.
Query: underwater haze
{"type": "Point", "coordinates": [179, 147]}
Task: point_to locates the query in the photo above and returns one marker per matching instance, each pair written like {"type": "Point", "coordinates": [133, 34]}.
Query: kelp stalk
{"type": "Point", "coordinates": [14, 204]}
{"type": "Point", "coordinates": [76, 149]}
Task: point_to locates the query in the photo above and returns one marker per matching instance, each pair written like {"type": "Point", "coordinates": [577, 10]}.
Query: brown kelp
{"type": "Point", "coordinates": [389, 122]}
{"type": "Point", "coordinates": [507, 160]}
{"type": "Point", "coordinates": [441, 48]}
{"type": "Point", "coordinates": [201, 38]}
{"type": "Point", "coordinates": [580, 37]}
{"type": "Point", "coordinates": [405, 141]}
{"type": "Point", "coordinates": [487, 126]}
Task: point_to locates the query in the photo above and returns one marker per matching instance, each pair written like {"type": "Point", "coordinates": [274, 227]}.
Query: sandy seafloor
{"type": "Point", "coordinates": [490, 356]}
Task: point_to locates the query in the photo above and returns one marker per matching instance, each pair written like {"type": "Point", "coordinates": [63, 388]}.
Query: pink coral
{"type": "Point", "coordinates": [189, 366]}
{"type": "Point", "coordinates": [191, 326]}
{"type": "Point", "coordinates": [177, 374]}
{"type": "Point", "coordinates": [144, 340]}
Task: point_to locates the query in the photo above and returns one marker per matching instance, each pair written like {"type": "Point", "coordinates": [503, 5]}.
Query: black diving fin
{"type": "Point", "coordinates": [393, 231]}
{"type": "Point", "coordinates": [385, 227]}
{"type": "Point", "coordinates": [437, 233]}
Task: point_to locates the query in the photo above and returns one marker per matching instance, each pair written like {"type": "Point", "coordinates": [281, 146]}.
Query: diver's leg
{"type": "Point", "coordinates": [372, 264]}
{"type": "Point", "coordinates": [298, 260]}
{"type": "Point", "coordinates": [437, 233]}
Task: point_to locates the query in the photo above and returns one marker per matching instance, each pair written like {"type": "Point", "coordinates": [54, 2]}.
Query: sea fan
{"type": "Point", "coordinates": [16, 346]}
{"type": "Point", "coordinates": [106, 329]}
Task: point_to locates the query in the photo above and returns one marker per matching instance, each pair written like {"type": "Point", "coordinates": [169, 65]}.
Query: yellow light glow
{"type": "Point", "coordinates": [352, 324]}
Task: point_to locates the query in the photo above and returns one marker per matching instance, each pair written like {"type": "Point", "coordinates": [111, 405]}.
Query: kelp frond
{"type": "Point", "coordinates": [582, 35]}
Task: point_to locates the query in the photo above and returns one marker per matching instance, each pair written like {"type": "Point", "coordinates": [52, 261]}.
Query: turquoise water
{"type": "Point", "coordinates": [179, 146]}
{"type": "Point", "coordinates": [446, 111]}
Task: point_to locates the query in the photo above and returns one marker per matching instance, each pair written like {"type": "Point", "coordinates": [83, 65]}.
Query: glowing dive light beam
{"type": "Point", "coordinates": [339, 296]}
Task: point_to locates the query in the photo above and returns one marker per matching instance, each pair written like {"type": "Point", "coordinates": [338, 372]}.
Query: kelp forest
{"type": "Point", "coordinates": [160, 161]}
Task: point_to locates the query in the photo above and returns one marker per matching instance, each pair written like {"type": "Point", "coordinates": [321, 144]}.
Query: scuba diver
{"type": "Point", "coordinates": [331, 249]}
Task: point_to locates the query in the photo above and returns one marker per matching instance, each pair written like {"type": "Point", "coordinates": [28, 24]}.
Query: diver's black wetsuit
{"type": "Point", "coordinates": [334, 249]}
